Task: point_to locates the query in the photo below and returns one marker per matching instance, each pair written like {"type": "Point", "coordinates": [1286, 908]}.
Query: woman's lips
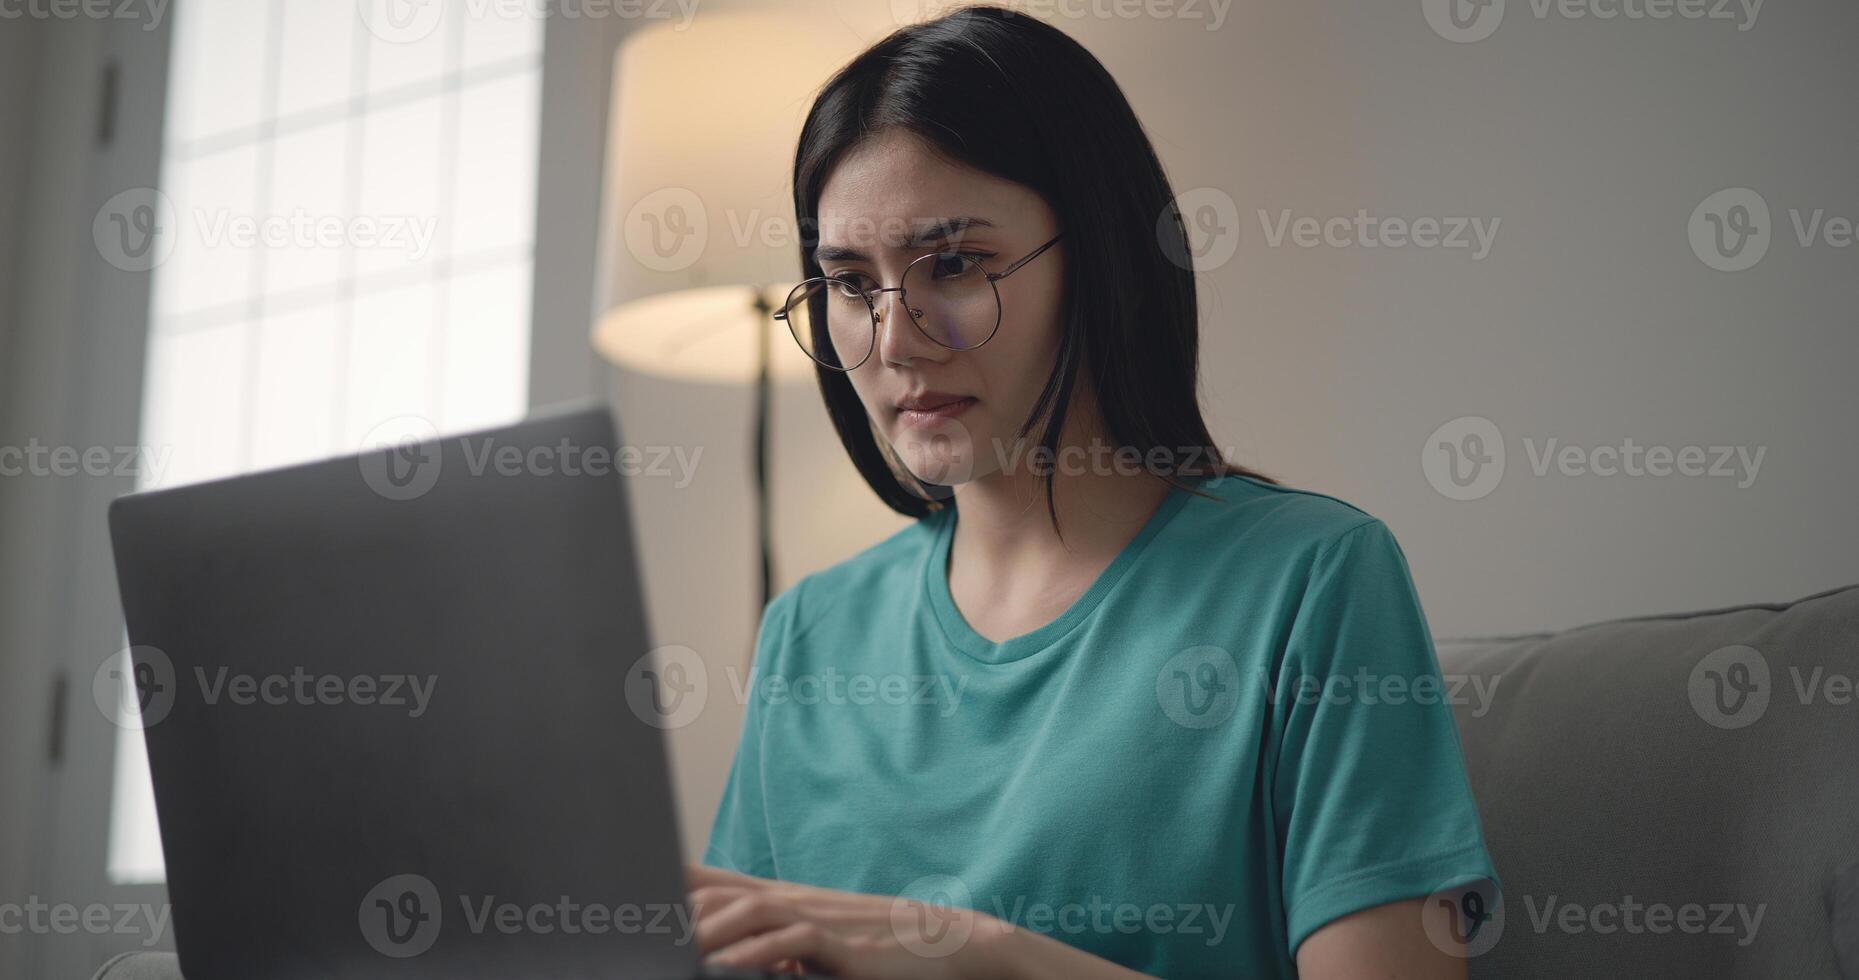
{"type": "Point", "coordinates": [930, 416]}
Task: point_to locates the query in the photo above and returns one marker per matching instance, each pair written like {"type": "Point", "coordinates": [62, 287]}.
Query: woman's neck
{"type": "Point", "coordinates": [1010, 573]}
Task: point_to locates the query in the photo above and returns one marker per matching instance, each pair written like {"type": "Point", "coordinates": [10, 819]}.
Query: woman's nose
{"type": "Point", "coordinates": [897, 339]}
{"type": "Point", "coordinates": [884, 303]}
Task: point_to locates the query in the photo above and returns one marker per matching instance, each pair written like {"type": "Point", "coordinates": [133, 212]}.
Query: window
{"type": "Point", "coordinates": [349, 223]}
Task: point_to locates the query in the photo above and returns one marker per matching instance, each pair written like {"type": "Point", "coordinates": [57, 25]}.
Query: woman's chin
{"type": "Point", "coordinates": [953, 473]}
{"type": "Point", "coordinates": [945, 454]}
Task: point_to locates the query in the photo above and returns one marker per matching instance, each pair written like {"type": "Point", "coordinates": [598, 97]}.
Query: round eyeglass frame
{"type": "Point", "coordinates": [993, 278]}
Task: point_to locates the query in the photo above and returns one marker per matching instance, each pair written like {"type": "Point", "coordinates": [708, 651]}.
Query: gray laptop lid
{"type": "Point", "coordinates": [385, 718]}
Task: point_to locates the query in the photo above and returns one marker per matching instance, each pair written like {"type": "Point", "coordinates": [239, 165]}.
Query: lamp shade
{"type": "Point", "coordinates": [700, 214]}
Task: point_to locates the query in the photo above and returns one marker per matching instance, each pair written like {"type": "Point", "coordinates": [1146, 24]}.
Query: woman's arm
{"type": "Point", "coordinates": [1387, 942]}
{"type": "Point", "coordinates": [745, 921]}
{"type": "Point", "coordinates": [753, 922]}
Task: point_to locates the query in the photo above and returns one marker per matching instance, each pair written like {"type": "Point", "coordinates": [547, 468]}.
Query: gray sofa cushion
{"type": "Point", "coordinates": [1843, 914]}
{"type": "Point", "coordinates": [1669, 796]}
{"type": "Point", "coordinates": [141, 966]}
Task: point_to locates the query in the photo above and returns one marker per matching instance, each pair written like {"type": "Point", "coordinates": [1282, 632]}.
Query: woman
{"type": "Point", "coordinates": [1110, 705]}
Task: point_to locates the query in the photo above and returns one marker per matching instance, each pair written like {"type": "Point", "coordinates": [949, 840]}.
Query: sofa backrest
{"type": "Point", "coordinates": [1671, 796]}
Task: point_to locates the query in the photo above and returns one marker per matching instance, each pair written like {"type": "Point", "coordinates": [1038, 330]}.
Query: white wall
{"type": "Point", "coordinates": [21, 704]}
{"type": "Point", "coordinates": [73, 379]}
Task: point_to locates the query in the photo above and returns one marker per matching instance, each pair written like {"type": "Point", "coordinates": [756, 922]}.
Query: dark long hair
{"type": "Point", "coordinates": [1010, 96]}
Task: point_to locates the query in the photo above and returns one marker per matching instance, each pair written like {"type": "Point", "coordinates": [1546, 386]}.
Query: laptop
{"type": "Point", "coordinates": [398, 719]}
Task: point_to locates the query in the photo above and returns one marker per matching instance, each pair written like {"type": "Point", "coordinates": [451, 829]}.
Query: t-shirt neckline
{"type": "Point", "coordinates": [966, 639]}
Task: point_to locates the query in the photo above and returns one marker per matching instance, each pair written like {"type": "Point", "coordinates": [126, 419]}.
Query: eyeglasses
{"type": "Point", "coordinates": [951, 299]}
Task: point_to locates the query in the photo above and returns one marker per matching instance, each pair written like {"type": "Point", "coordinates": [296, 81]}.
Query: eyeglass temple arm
{"type": "Point", "coordinates": [1004, 273]}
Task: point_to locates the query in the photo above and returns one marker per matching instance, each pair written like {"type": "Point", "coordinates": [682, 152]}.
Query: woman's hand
{"type": "Point", "coordinates": [744, 921]}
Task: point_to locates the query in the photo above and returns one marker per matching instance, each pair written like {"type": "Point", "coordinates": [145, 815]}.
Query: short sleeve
{"type": "Point", "coordinates": [739, 839]}
{"type": "Point", "coordinates": [1370, 790]}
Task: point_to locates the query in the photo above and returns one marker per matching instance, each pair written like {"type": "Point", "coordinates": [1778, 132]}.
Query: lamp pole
{"type": "Point", "coordinates": [763, 413]}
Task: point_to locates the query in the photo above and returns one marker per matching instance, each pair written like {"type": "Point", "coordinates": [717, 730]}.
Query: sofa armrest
{"type": "Point", "coordinates": [141, 966]}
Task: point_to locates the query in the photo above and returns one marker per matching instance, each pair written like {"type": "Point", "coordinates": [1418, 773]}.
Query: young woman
{"type": "Point", "coordinates": [1110, 705]}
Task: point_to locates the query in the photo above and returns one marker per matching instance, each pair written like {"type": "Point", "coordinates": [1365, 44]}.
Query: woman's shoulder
{"type": "Point", "coordinates": [885, 571]}
{"type": "Point", "coordinates": [1316, 563]}
{"type": "Point", "coordinates": [1286, 521]}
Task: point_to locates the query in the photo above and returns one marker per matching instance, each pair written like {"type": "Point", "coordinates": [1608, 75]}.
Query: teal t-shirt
{"type": "Point", "coordinates": [1237, 734]}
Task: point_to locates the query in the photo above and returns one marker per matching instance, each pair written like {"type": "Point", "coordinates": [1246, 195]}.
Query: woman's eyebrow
{"type": "Point", "coordinates": [938, 231]}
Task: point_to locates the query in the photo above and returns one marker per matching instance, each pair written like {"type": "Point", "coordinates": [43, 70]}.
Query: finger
{"type": "Point", "coordinates": [742, 917]}
{"type": "Point", "coordinates": [698, 875]}
{"type": "Point", "coordinates": [700, 878]}
{"type": "Point", "coordinates": [803, 940]}
{"type": "Point", "coordinates": [708, 899]}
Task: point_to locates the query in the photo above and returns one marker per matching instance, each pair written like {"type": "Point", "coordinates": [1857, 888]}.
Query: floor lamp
{"type": "Point", "coordinates": [699, 244]}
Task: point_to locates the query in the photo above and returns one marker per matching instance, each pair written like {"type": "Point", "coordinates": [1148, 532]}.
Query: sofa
{"type": "Point", "coordinates": [1671, 796]}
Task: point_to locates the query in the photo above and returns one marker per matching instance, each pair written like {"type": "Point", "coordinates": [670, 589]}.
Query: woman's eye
{"type": "Point", "coordinates": [949, 265]}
